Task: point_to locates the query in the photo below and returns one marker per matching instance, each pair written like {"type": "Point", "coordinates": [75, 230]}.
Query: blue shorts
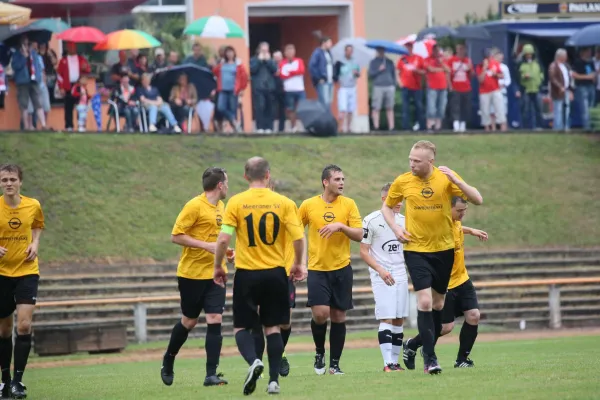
{"type": "Point", "coordinates": [292, 99]}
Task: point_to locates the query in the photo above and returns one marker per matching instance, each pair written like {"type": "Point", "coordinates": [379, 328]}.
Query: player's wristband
{"type": "Point", "coordinates": [228, 229]}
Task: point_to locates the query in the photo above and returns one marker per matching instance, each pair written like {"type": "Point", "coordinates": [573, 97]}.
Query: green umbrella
{"type": "Point", "coordinates": [54, 25]}
{"type": "Point", "coordinates": [215, 27]}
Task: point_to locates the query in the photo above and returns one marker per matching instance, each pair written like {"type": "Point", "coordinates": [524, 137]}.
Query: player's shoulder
{"type": "Point", "coordinates": [310, 201]}
{"type": "Point", "coordinates": [403, 178]}
{"type": "Point", "coordinates": [374, 216]}
{"type": "Point", "coordinates": [30, 201]}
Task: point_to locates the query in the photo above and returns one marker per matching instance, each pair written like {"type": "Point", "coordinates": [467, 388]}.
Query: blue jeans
{"type": "Point", "coordinates": [532, 110]}
{"type": "Point", "coordinates": [560, 122]}
{"type": "Point", "coordinates": [584, 95]}
{"type": "Point", "coordinates": [436, 103]}
{"type": "Point", "coordinates": [417, 96]}
{"type": "Point", "coordinates": [82, 111]}
{"type": "Point", "coordinates": [164, 110]}
{"type": "Point", "coordinates": [227, 105]}
{"type": "Point", "coordinates": [131, 114]}
{"type": "Point", "coordinates": [292, 99]}
{"type": "Point", "coordinates": [325, 93]}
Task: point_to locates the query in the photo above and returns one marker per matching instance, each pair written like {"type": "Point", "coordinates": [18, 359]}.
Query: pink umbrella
{"type": "Point", "coordinates": [82, 34]}
{"type": "Point", "coordinates": [421, 48]}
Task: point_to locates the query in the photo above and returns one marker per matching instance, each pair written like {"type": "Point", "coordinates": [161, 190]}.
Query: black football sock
{"type": "Point", "coordinates": [22, 349]}
{"type": "Point", "coordinates": [6, 351]}
{"type": "Point", "coordinates": [397, 345]}
{"type": "Point", "coordinates": [437, 325]}
{"type": "Point", "coordinates": [385, 343]}
{"type": "Point", "coordinates": [415, 343]}
{"type": "Point", "coordinates": [319, 332]}
{"type": "Point", "coordinates": [245, 344]}
{"type": "Point", "coordinates": [468, 334]}
{"type": "Point", "coordinates": [179, 335]}
{"type": "Point", "coordinates": [425, 325]}
{"type": "Point", "coordinates": [337, 339]}
{"type": "Point", "coordinates": [212, 345]}
{"type": "Point", "coordinates": [285, 335]}
{"type": "Point", "coordinates": [274, 352]}
{"type": "Point", "coordinates": [259, 341]}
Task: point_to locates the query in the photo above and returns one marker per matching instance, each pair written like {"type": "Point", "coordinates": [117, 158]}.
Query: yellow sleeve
{"type": "Point", "coordinates": [38, 218]}
{"type": "Point", "coordinates": [395, 195]}
{"type": "Point", "coordinates": [293, 225]}
{"type": "Point", "coordinates": [303, 213]}
{"type": "Point", "coordinates": [231, 214]}
{"type": "Point", "coordinates": [455, 190]}
{"type": "Point", "coordinates": [185, 220]}
{"type": "Point", "coordinates": [354, 220]}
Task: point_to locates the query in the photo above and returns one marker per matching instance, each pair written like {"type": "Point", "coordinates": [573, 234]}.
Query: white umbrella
{"type": "Point", "coordinates": [362, 54]}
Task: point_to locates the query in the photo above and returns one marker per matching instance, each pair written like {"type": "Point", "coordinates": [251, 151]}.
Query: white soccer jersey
{"type": "Point", "coordinates": [385, 248]}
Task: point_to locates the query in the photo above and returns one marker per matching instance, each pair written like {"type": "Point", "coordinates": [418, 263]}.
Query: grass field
{"type": "Point", "coordinates": [118, 196]}
{"type": "Point", "coordinates": [562, 368]}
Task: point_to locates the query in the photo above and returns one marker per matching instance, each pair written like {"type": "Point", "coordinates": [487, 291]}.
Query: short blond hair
{"type": "Point", "coordinates": [425, 145]}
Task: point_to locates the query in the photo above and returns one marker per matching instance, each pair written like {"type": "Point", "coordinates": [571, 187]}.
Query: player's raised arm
{"type": "Point", "coordinates": [469, 191]}
{"type": "Point", "coordinates": [481, 235]}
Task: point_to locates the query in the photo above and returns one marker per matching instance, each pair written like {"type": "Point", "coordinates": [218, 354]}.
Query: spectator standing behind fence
{"type": "Point", "coordinates": [182, 99]}
{"type": "Point", "coordinates": [27, 76]}
{"type": "Point", "coordinates": [560, 83]}
{"type": "Point", "coordinates": [50, 65]}
{"type": "Point", "coordinates": [320, 68]}
{"type": "Point", "coordinates": [160, 62]}
{"type": "Point", "coordinates": [531, 77]}
{"type": "Point", "coordinates": [125, 96]}
{"type": "Point", "coordinates": [461, 72]}
{"type": "Point", "coordinates": [279, 99]}
{"type": "Point", "coordinates": [44, 94]}
{"type": "Point", "coordinates": [197, 57]}
{"type": "Point", "coordinates": [262, 71]}
{"type": "Point", "coordinates": [437, 89]}
{"type": "Point", "coordinates": [383, 79]}
{"type": "Point", "coordinates": [410, 80]}
{"type": "Point", "coordinates": [584, 74]}
{"type": "Point", "coordinates": [80, 94]}
{"type": "Point", "coordinates": [151, 100]}
{"type": "Point", "coordinates": [70, 69]}
{"type": "Point", "coordinates": [488, 74]}
{"type": "Point", "coordinates": [292, 73]}
{"type": "Point", "coordinates": [504, 82]}
{"type": "Point", "coordinates": [346, 73]}
{"type": "Point", "coordinates": [232, 80]}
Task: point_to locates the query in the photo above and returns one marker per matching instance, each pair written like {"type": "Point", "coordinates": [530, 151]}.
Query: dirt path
{"type": "Point", "coordinates": [156, 355]}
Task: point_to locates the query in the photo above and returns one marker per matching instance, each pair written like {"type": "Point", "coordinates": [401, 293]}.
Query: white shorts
{"type": "Point", "coordinates": [391, 302]}
{"type": "Point", "coordinates": [347, 100]}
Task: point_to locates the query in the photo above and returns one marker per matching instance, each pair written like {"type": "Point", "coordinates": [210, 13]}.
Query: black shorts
{"type": "Point", "coordinates": [430, 270]}
{"type": "Point", "coordinates": [267, 289]}
{"type": "Point", "coordinates": [331, 288]}
{"type": "Point", "coordinates": [200, 294]}
{"type": "Point", "coordinates": [458, 300]}
{"type": "Point", "coordinates": [292, 290]}
{"type": "Point", "coordinates": [17, 290]}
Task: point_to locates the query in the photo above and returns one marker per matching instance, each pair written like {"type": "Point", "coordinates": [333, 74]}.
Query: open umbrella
{"type": "Point", "coordinates": [585, 37]}
{"type": "Point", "coordinates": [127, 39]}
{"type": "Point", "coordinates": [53, 25]}
{"type": "Point", "coordinates": [316, 118]}
{"type": "Point", "coordinates": [82, 34]}
{"type": "Point", "coordinates": [214, 27]}
{"type": "Point", "coordinates": [11, 14]}
{"type": "Point", "coordinates": [202, 78]}
{"type": "Point", "coordinates": [387, 46]}
{"type": "Point", "coordinates": [10, 37]}
{"type": "Point", "coordinates": [362, 54]}
{"type": "Point", "coordinates": [436, 32]}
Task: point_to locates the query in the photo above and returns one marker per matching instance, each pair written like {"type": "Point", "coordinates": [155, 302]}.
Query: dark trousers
{"type": "Point", "coordinates": [417, 96]}
{"type": "Point", "coordinates": [181, 113]}
{"type": "Point", "coordinates": [70, 103]}
{"type": "Point", "coordinates": [281, 116]}
{"type": "Point", "coordinates": [263, 109]}
{"type": "Point", "coordinates": [460, 106]}
{"type": "Point", "coordinates": [532, 111]}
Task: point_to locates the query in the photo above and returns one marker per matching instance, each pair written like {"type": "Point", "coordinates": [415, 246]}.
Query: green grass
{"type": "Point", "coordinates": [542, 369]}
{"type": "Point", "coordinates": [118, 196]}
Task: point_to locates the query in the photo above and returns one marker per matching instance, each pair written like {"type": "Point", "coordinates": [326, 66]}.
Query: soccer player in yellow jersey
{"type": "Point", "coordinates": [196, 230]}
{"type": "Point", "coordinates": [333, 220]}
{"type": "Point", "coordinates": [261, 220]}
{"type": "Point", "coordinates": [461, 298]}
{"type": "Point", "coordinates": [428, 239]}
{"type": "Point", "coordinates": [21, 224]}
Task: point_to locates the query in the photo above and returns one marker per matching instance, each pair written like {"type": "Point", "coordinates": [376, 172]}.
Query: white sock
{"type": "Point", "coordinates": [385, 342]}
{"type": "Point", "coordinates": [456, 126]}
{"type": "Point", "coordinates": [397, 342]}
{"type": "Point", "coordinates": [463, 126]}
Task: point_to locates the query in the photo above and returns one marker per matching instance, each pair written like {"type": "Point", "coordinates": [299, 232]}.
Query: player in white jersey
{"type": "Point", "coordinates": [382, 251]}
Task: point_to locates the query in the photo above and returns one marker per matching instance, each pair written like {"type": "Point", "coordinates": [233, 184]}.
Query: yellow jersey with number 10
{"type": "Point", "coordinates": [459, 269]}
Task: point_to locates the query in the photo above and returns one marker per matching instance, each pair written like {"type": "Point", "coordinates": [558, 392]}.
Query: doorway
{"type": "Point", "coordinates": [269, 32]}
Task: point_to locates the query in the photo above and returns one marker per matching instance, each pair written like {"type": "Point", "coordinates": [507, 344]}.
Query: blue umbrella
{"type": "Point", "coordinates": [585, 37]}
{"type": "Point", "coordinates": [388, 47]}
{"type": "Point", "coordinates": [53, 25]}
{"type": "Point", "coordinates": [11, 37]}
{"type": "Point", "coordinates": [202, 78]}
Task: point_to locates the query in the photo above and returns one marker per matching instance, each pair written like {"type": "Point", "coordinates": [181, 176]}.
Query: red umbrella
{"type": "Point", "coordinates": [82, 34]}
{"type": "Point", "coordinates": [68, 9]}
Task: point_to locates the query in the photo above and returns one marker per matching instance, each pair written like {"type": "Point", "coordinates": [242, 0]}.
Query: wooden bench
{"type": "Point", "coordinates": [91, 338]}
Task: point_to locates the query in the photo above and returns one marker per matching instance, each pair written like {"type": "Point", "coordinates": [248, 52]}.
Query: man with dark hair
{"type": "Point", "coordinates": [196, 230]}
{"type": "Point", "coordinates": [461, 298]}
{"type": "Point", "coordinates": [262, 221]}
{"type": "Point", "coordinates": [21, 224]}
{"type": "Point", "coordinates": [333, 220]}
{"type": "Point", "coordinates": [320, 68]}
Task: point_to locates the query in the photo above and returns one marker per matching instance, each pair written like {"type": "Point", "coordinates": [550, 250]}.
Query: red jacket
{"type": "Point", "coordinates": [62, 72]}
{"type": "Point", "coordinates": [241, 78]}
{"type": "Point", "coordinates": [290, 68]}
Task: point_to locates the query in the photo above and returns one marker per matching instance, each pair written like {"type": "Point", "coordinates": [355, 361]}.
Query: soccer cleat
{"type": "Point", "coordinates": [467, 363]}
{"type": "Point", "coordinates": [320, 364]}
{"type": "Point", "coordinates": [166, 372]}
{"type": "Point", "coordinates": [284, 369]}
{"type": "Point", "coordinates": [5, 390]}
{"type": "Point", "coordinates": [335, 370]}
{"type": "Point", "coordinates": [273, 388]}
{"type": "Point", "coordinates": [254, 372]}
{"type": "Point", "coordinates": [408, 355]}
{"type": "Point", "coordinates": [18, 390]}
{"type": "Point", "coordinates": [397, 367]}
{"type": "Point", "coordinates": [389, 368]}
{"type": "Point", "coordinates": [432, 367]}
{"type": "Point", "coordinates": [215, 380]}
